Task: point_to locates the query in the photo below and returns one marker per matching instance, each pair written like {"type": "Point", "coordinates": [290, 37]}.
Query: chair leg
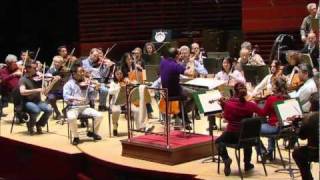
{"type": "Point", "coordinates": [109, 119]}
{"type": "Point", "coordinates": [183, 118]}
{"type": "Point", "coordinates": [14, 116]}
{"type": "Point", "coordinates": [218, 160]}
{"type": "Point", "coordinates": [283, 164]}
{"type": "Point", "coordinates": [263, 164]}
{"type": "Point", "coordinates": [237, 152]}
{"type": "Point", "coordinates": [47, 126]}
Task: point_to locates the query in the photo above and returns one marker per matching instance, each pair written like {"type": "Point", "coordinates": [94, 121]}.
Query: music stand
{"type": "Point", "coordinates": [202, 100]}
{"type": "Point", "coordinates": [255, 74]}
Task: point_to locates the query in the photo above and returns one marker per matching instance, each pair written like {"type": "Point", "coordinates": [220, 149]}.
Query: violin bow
{"type": "Point", "coordinates": [43, 71]}
{"type": "Point", "coordinates": [69, 65]}
{"type": "Point", "coordinates": [36, 56]}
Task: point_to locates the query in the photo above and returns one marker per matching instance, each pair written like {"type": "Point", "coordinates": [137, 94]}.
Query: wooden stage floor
{"type": "Point", "coordinates": [109, 150]}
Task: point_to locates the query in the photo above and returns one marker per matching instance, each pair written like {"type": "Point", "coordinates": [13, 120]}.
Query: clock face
{"type": "Point", "coordinates": [160, 36]}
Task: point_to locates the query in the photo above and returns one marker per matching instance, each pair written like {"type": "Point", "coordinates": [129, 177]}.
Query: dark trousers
{"type": "Point", "coordinates": [52, 100]}
{"type": "Point", "coordinates": [303, 157]}
{"type": "Point", "coordinates": [231, 138]}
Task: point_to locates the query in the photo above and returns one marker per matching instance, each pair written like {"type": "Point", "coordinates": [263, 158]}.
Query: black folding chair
{"type": "Point", "coordinates": [249, 137]}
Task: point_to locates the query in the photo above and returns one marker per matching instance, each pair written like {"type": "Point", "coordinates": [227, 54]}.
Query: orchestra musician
{"type": "Point", "coordinates": [137, 57]}
{"type": "Point", "coordinates": [68, 60]}
{"type": "Point", "coordinates": [195, 66]}
{"type": "Point", "coordinates": [306, 26]}
{"type": "Point", "coordinates": [309, 130]}
{"type": "Point", "coordinates": [247, 58]}
{"type": "Point", "coordinates": [9, 77]}
{"type": "Point", "coordinates": [149, 49]}
{"type": "Point", "coordinates": [30, 90]}
{"type": "Point", "coordinates": [291, 70]}
{"type": "Point", "coordinates": [236, 109]}
{"type": "Point", "coordinates": [312, 47]}
{"type": "Point", "coordinates": [170, 72]}
{"type": "Point", "coordinates": [77, 100]}
{"type": "Point", "coordinates": [96, 69]}
{"type": "Point", "coordinates": [25, 58]}
{"type": "Point", "coordinates": [309, 86]}
{"type": "Point", "coordinates": [56, 92]}
{"type": "Point", "coordinates": [229, 73]}
{"type": "Point", "coordinates": [119, 82]}
{"type": "Point", "coordinates": [280, 93]}
{"type": "Point", "coordinates": [267, 82]}
{"type": "Point", "coordinates": [196, 54]}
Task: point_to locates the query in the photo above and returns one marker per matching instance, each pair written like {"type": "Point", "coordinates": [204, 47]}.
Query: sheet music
{"type": "Point", "coordinates": [289, 108]}
{"type": "Point", "coordinates": [209, 101]}
{"type": "Point", "coordinates": [306, 58]}
{"type": "Point", "coordinates": [210, 83]}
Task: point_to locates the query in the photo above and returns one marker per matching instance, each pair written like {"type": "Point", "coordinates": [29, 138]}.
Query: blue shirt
{"type": "Point", "coordinates": [170, 76]}
{"type": "Point", "coordinates": [96, 72]}
{"type": "Point", "coordinates": [72, 90]}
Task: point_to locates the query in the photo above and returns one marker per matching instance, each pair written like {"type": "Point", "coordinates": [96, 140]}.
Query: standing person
{"type": "Point", "coordinates": [30, 90]}
{"type": "Point", "coordinates": [306, 23]}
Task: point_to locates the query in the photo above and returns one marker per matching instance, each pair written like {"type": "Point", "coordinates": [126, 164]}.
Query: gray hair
{"type": "Point", "coordinates": [184, 47]}
{"type": "Point", "coordinates": [11, 58]}
{"type": "Point", "coordinates": [246, 45]}
{"type": "Point", "coordinates": [310, 5]}
{"type": "Point", "coordinates": [306, 68]}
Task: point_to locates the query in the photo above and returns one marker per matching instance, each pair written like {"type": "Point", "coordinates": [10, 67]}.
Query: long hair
{"type": "Point", "coordinates": [230, 61]}
{"type": "Point", "coordinates": [280, 86]}
{"type": "Point", "coordinates": [240, 91]}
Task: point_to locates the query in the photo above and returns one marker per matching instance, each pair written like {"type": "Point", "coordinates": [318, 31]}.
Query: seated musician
{"type": "Point", "coordinates": [236, 109]}
{"type": "Point", "coordinates": [170, 72]}
{"type": "Point", "coordinates": [279, 89]}
{"type": "Point", "coordinates": [137, 57]}
{"type": "Point", "coordinates": [9, 77]}
{"type": "Point", "coordinates": [56, 92]}
{"type": "Point", "coordinates": [149, 49]}
{"type": "Point", "coordinates": [309, 130]}
{"type": "Point", "coordinates": [267, 82]}
{"type": "Point", "coordinates": [93, 66]}
{"type": "Point", "coordinates": [77, 100]}
{"type": "Point", "coordinates": [312, 48]}
{"type": "Point", "coordinates": [30, 90]}
{"type": "Point", "coordinates": [128, 66]}
{"type": "Point", "coordinates": [68, 60]}
{"type": "Point", "coordinates": [196, 54]}
{"type": "Point", "coordinates": [309, 86]}
{"type": "Point", "coordinates": [254, 51]}
{"type": "Point", "coordinates": [246, 58]}
{"type": "Point", "coordinates": [25, 58]}
{"type": "Point", "coordinates": [115, 86]}
{"type": "Point", "coordinates": [228, 72]}
{"type": "Point", "coordinates": [187, 62]}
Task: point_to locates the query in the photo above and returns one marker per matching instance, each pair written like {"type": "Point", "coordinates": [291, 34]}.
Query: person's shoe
{"type": "Point", "coordinates": [39, 129]}
{"type": "Point", "coordinates": [268, 156]}
{"type": "Point", "coordinates": [248, 166]}
{"type": "Point", "coordinates": [149, 129]}
{"type": "Point", "coordinates": [227, 169]}
{"type": "Point", "coordinates": [188, 127]}
{"type": "Point", "coordinates": [30, 129]}
{"type": "Point", "coordinates": [115, 132]}
{"type": "Point", "coordinates": [102, 108]}
{"type": "Point", "coordinates": [58, 117]}
{"type": "Point", "coordinates": [94, 135]}
{"type": "Point", "coordinates": [75, 141]}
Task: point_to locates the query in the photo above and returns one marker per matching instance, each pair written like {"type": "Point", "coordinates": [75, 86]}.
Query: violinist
{"type": "Point", "coordinates": [77, 100]}
{"type": "Point", "coordinates": [246, 58]}
{"type": "Point", "coordinates": [119, 82]}
{"type": "Point", "coordinates": [30, 91]}
{"type": "Point", "coordinates": [126, 64]}
{"type": "Point", "coordinates": [267, 82]}
{"type": "Point", "coordinates": [137, 57]}
{"type": "Point", "coordinates": [56, 92]}
{"type": "Point", "coordinates": [94, 67]}
{"type": "Point", "coordinates": [309, 86]}
{"type": "Point", "coordinates": [291, 70]}
{"type": "Point", "coordinates": [9, 77]}
{"type": "Point", "coordinates": [196, 54]}
{"type": "Point", "coordinates": [196, 67]}
{"type": "Point", "coordinates": [150, 54]}
{"type": "Point", "coordinates": [68, 60]}
{"type": "Point", "coordinates": [25, 58]}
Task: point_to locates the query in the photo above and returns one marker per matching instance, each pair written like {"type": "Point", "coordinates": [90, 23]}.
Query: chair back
{"type": "Point", "coordinates": [250, 131]}
{"type": "Point", "coordinates": [17, 99]}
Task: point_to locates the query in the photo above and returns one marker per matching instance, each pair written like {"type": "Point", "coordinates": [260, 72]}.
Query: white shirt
{"type": "Point", "coordinates": [266, 83]}
{"type": "Point", "coordinates": [304, 93]}
{"type": "Point", "coordinates": [236, 75]}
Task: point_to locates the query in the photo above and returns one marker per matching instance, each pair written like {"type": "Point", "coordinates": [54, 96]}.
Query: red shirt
{"type": "Point", "coordinates": [8, 81]}
{"type": "Point", "coordinates": [235, 111]}
{"type": "Point", "coordinates": [268, 109]}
